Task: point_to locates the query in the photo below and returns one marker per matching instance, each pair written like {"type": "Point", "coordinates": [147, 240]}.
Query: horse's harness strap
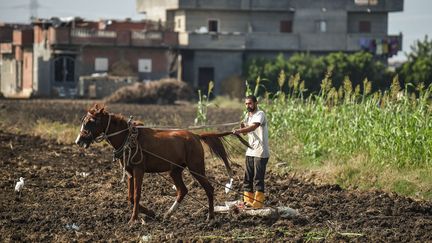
{"type": "Point", "coordinates": [130, 144]}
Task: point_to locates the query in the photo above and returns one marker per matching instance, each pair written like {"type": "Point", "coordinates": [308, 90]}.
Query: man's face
{"type": "Point", "coordinates": [250, 105]}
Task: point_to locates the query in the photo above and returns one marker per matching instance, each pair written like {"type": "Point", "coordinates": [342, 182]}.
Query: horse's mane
{"type": "Point", "coordinates": [102, 109]}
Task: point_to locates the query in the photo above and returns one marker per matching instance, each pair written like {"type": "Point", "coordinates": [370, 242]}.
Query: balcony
{"type": "Point", "coordinates": [273, 41]}
{"type": "Point", "coordinates": [375, 5]}
{"type": "Point", "coordinates": [213, 41]}
{"type": "Point", "coordinates": [323, 42]}
{"type": "Point", "coordinates": [370, 42]}
{"type": "Point", "coordinates": [272, 5]}
{"type": "Point", "coordinates": [153, 38]}
{"type": "Point", "coordinates": [80, 36]}
{"type": "Point", "coordinates": [89, 36]}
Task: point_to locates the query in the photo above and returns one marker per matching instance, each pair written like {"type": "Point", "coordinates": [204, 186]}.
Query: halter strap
{"type": "Point", "coordinates": [105, 135]}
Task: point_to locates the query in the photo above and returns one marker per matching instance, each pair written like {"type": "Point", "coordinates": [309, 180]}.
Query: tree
{"type": "Point", "coordinates": [312, 69]}
{"type": "Point", "coordinates": [418, 68]}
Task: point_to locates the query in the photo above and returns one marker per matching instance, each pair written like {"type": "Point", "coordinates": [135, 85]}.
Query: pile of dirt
{"type": "Point", "coordinates": [164, 91]}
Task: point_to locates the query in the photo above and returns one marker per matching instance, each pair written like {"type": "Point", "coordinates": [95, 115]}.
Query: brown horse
{"type": "Point", "coordinates": [144, 150]}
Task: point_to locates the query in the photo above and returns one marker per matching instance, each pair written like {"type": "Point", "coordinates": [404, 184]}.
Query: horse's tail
{"type": "Point", "coordinates": [214, 142]}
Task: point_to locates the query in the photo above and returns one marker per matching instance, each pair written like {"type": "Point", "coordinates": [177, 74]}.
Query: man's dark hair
{"type": "Point", "coordinates": [251, 97]}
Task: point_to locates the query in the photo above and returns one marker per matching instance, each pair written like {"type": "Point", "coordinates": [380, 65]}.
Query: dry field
{"type": "Point", "coordinates": [60, 204]}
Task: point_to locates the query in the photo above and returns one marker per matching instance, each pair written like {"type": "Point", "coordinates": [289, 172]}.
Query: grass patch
{"type": "Point", "coordinates": [404, 187]}
{"type": "Point", "coordinates": [61, 132]}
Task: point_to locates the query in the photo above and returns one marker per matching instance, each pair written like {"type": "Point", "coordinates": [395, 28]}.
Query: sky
{"type": "Point", "coordinates": [415, 22]}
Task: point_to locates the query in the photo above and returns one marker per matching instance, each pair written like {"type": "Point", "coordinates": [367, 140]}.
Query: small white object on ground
{"type": "Point", "coordinates": [19, 185]}
{"type": "Point", "coordinates": [174, 187]}
{"type": "Point", "coordinates": [145, 238]}
{"type": "Point", "coordinates": [72, 226]}
{"type": "Point", "coordinates": [228, 186]}
{"type": "Point", "coordinates": [267, 212]}
{"type": "Point", "coordinates": [83, 174]}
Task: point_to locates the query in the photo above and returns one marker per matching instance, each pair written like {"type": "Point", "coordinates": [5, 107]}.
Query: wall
{"type": "Point", "coordinates": [225, 64]}
{"type": "Point", "coordinates": [379, 22]}
{"type": "Point", "coordinates": [159, 57]}
{"type": "Point", "coordinates": [237, 21]}
{"type": "Point", "coordinates": [9, 75]}
{"type": "Point", "coordinates": [27, 70]}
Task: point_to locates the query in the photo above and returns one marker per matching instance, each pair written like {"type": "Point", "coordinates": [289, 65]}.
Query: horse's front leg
{"type": "Point", "coordinates": [137, 183]}
{"type": "Point", "coordinates": [142, 209]}
{"type": "Point", "coordinates": [130, 184]}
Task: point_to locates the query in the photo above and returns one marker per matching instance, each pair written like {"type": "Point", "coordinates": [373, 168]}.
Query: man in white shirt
{"type": "Point", "coordinates": [255, 125]}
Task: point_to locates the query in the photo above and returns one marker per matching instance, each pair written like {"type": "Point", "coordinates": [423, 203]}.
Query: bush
{"type": "Point", "coordinates": [165, 91]}
{"type": "Point", "coordinates": [418, 68]}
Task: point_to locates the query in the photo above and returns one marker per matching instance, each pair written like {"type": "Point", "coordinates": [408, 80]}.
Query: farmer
{"type": "Point", "coordinates": [255, 125]}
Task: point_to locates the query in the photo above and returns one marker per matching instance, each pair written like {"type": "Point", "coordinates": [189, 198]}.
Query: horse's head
{"type": "Point", "coordinates": [93, 124]}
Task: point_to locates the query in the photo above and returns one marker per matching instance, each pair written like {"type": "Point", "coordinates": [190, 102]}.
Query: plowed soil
{"type": "Point", "coordinates": [59, 203]}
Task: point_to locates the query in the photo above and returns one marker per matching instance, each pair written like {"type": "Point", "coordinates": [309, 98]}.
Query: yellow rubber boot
{"type": "Point", "coordinates": [248, 198]}
{"type": "Point", "coordinates": [259, 200]}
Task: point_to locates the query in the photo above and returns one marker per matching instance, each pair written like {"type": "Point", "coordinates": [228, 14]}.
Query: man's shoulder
{"type": "Point", "coordinates": [259, 113]}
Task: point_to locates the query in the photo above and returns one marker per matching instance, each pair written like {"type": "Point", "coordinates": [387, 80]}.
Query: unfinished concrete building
{"type": "Point", "coordinates": [216, 37]}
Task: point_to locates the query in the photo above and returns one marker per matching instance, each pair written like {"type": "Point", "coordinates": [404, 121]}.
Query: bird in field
{"type": "Point", "coordinates": [228, 186]}
{"type": "Point", "coordinates": [19, 186]}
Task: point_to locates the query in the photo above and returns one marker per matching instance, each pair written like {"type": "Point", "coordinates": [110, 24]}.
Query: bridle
{"type": "Point", "coordinates": [129, 144]}
{"type": "Point", "coordinates": [104, 135]}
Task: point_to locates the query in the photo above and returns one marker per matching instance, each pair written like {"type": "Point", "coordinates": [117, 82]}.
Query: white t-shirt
{"type": "Point", "coordinates": [258, 139]}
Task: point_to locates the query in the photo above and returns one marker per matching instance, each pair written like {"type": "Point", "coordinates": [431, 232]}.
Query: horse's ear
{"type": "Point", "coordinates": [100, 109]}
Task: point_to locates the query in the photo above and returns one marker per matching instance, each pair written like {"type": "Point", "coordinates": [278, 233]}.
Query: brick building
{"type": "Point", "coordinates": [51, 54]}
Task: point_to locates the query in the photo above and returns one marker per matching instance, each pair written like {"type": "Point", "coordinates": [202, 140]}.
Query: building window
{"type": "Point", "coordinates": [213, 26]}
{"type": "Point", "coordinates": [321, 26]}
{"type": "Point", "coordinates": [101, 64]}
{"type": "Point", "coordinates": [178, 23]}
{"type": "Point", "coordinates": [286, 26]}
{"type": "Point", "coordinates": [145, 65]}
{"type": "Point", "coordinates": [364, 26]}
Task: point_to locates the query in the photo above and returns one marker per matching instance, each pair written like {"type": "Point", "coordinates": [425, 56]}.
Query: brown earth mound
{"type": "Point", "coordinates": [165, 91]}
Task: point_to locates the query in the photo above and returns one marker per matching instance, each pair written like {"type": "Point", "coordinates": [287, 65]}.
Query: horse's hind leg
{"type": "Point", "coordinates": [176, 175]}
{"type": "Point", "coordinates": [198, 172]}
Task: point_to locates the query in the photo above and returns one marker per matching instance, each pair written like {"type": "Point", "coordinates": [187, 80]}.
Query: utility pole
{"type": "Point", "coordinates": [33, 6]}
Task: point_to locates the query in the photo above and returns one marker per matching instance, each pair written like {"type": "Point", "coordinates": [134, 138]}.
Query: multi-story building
{"type": "Point", "coordinates": [217, 37]}
{"type": "Point", "coordinates": [51, 54]}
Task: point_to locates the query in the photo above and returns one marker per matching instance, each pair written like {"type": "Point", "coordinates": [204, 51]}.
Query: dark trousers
{"type": "Point", "coordinates": [254, 174]}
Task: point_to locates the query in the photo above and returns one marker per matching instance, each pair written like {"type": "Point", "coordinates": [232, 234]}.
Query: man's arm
{"type": "Point", "coordinates": [247, 129]}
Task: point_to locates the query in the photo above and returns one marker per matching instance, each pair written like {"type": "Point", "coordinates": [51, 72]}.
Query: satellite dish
{"type": "Point", "coordinates": [56, 22]}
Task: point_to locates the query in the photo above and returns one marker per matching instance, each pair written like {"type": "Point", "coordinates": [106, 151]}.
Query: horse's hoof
{"type": "Point", "coordinates": [210, 218]}
{"type": "Point", "coordinates": [211, 222]}
{"type": "Point", "coordinates": [132, 221]}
